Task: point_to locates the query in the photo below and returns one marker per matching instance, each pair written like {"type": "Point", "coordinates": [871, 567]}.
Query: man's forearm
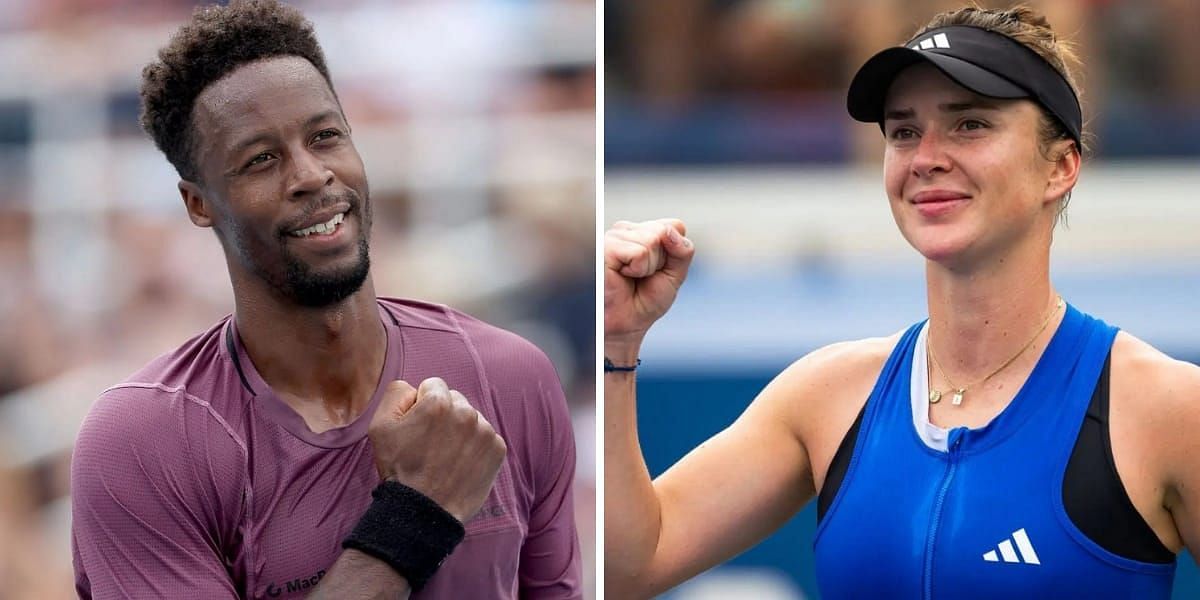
{"type": "Point", "coordinates": [358, 576]}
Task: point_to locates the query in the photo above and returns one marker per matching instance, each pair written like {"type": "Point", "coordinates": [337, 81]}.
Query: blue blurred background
{"type": "Point", "coordinates": [476, 121]}
{"type": "Point", "coordinates": [730, 115]}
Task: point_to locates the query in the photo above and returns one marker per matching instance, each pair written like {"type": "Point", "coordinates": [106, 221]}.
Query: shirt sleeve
{"type": "Point", "coordinates": [550, 558]}
{"type": "Point", "coordinates": [156, 495]}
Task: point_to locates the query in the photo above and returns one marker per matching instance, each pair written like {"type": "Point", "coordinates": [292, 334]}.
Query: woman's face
{"type": "Point", "coordinates": [964, 175]}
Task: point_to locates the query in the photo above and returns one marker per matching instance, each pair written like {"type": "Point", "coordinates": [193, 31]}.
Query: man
{"type": "Point", "coordinates": [243, 464]}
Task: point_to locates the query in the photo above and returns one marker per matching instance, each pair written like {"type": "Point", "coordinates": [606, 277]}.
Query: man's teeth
{"type": "Point", "coordinates": [326, 227]}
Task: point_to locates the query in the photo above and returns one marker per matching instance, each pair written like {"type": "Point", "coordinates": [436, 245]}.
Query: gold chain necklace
{"type": "Point", "coordinates": [935, 396]}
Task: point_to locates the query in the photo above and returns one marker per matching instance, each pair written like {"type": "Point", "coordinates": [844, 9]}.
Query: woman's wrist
{"type": "Point", "coordinates": [622, 352]}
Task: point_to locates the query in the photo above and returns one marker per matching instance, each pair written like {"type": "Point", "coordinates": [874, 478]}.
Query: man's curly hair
{"type": "Point", "coordinates": [216, 41]}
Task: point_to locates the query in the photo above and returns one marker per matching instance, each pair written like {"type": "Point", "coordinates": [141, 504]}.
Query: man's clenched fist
{"type": "Point", "coordinates": [432, 440]}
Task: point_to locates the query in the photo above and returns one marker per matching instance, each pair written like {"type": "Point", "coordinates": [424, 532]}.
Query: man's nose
{"type": "Point", "coordinates": [309, 174]}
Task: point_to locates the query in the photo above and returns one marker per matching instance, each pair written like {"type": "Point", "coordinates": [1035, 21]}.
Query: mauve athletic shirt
{"type": "Point", "coordinates": [192, 479]}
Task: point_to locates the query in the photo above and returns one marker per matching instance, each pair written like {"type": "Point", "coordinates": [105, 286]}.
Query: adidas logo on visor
{"type": "Point", "coordinates": [1008, 555]}
{"type": "Point", "coordinates": [937, 40]}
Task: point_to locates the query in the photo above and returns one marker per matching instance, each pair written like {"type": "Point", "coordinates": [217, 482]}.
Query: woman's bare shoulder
{"type": "Point", "coordinates": [841, 363]}
{"type": "Point", "coordinates": [1157, 390]}
{"type": "Point", "coordinates": [824, 390]}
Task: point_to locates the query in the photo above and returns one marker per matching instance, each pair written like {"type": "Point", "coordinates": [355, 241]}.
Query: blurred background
{"type": "Point", "coordinates": [730, 114]}
{"type": "Point", "coordinates": [476, 120]}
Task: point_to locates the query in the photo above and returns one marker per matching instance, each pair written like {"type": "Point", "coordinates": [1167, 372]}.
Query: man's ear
{"type": "Point", "coordinates": [194, 200]}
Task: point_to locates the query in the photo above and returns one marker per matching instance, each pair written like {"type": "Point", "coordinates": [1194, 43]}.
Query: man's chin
{"type": "Point", "coordinates": [317, 290]}
{"type": "Point", "coordinates": [318, 295]}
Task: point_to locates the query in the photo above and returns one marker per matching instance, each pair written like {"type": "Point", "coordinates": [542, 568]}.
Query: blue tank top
{"type": "Point", "coordinates": [984, 519]}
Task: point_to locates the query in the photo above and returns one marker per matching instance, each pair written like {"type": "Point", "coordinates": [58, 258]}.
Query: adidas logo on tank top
{"type": "Point", "coordinates": [1008, 555]}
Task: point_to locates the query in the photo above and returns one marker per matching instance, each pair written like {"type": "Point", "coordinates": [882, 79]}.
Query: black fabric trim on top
{"type": "Point", "coordinates": [1095, 498]}
{"type": "Point", "coordinates": [1093, 495]}
{"type": "Point", "coordinates": [838, 466]}
{"type": "Point", "coordinates": [395, 321]}
{"type": "Point", "coordinates": [237, 364]}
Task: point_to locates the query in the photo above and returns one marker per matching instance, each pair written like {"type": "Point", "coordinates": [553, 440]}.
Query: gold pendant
{"type": "Point", "coordinates": [958, 397]}
{"type": "Point", "coordinates": [935, 396]}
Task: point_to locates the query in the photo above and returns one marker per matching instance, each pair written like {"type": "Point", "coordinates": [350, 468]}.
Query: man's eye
{"type": "Point", "coordinates": [326, 134]}
{"type": "Point", "coordinates": [973, 124]}
{"type": "Point", "coordinates": [259, 159]}
{"type": "Point", "coordinates": [903, 133]}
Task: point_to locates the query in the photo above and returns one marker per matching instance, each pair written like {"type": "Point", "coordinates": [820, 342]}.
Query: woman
{"type": "Point", "coordinates": [1010, 446]}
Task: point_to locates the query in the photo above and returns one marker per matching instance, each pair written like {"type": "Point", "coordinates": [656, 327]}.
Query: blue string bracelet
{"type": "Point", "coordinates": [609, 367]}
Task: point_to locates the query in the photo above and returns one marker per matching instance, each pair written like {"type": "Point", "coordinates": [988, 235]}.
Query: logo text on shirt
{"type": "Point", "coordinates": [295, 585]}
{"type": "Point", "coordinates": [495, 510]}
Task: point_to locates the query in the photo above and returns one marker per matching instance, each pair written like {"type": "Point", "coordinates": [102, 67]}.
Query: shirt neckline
{"type": "Point", "coordinates": [1007, 421]}
{"type": "Point", "coordinates": [278, 411]}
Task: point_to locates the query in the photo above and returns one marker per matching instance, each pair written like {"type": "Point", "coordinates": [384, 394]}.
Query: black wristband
{"type": "Point", "coordinates": [406, 530]}
{"type": "Point", "coordinates": [609, 367]}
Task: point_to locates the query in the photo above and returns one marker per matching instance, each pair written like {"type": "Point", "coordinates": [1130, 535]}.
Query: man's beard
{"type": "Point", "coordinates": [316, 290]}
{"type": "Point", "coordinates": [308, 287]}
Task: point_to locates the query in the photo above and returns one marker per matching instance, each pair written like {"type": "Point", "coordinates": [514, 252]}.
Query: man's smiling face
{"type": "Point", "coordinates": [282, 183]}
